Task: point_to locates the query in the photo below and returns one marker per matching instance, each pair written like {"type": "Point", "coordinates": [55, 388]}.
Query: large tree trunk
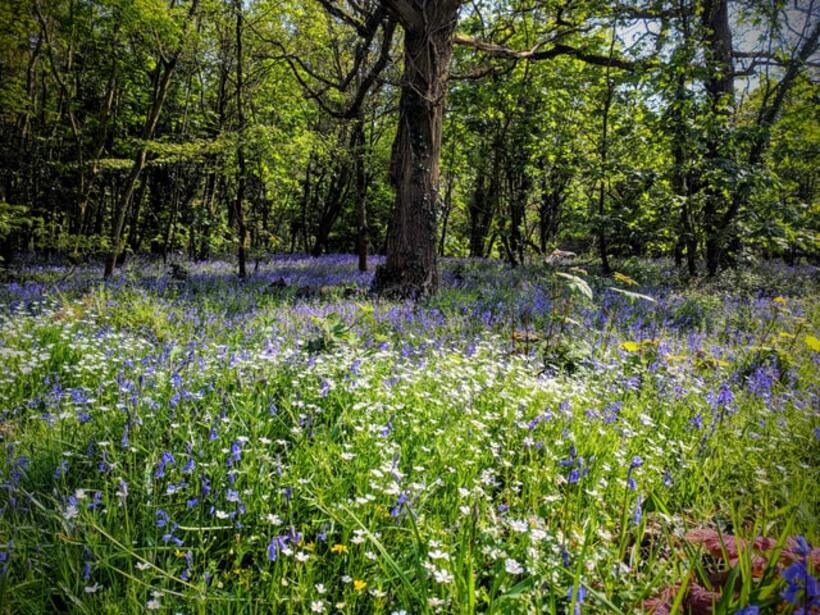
{"type": "Point", "coordinates": [720, 89]}
{"type": "Point", "coordinates": [410, 269]}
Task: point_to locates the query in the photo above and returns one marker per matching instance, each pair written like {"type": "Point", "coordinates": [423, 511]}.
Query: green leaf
{"type": "Point", "coordinates": [632, 295]}
{"type": "Point", "coordinates": [576, 284]}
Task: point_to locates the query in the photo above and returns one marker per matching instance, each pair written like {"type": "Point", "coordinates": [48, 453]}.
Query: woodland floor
{"type": "Point", "coordinates": [523, 442]}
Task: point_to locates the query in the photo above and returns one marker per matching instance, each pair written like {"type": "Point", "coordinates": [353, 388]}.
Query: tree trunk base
{"type": "Point", "coordinates": [405, 282]}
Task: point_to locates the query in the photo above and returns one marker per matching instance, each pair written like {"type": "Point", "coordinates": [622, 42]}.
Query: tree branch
{"type": "Point", "coordinates": [337, 12]}
{"type": "Point", "coordinates": [537, 53]}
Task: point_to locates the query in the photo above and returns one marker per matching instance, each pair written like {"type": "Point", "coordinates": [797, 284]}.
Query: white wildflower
{"type": "Point", "coordinates": [517, 525]}
{"type": "Point", "coordinates": [513, 567]}
{"type": "Point", "coordinates": [274, 519]}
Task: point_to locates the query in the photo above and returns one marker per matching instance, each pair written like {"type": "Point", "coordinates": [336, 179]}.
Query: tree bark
{"type": "Point", "coordinates": [336, 194]}
{"type": "Point", "coordinates": [553, 185]}
{"type": "Point", "coordinates": [410, 269]}
{"type": "Point", "coordinates": [360, 173]}
{"type": "Point", "coordinates": [720, 90]}
{"type": "Point", "coordinates": [603, 247]}
{"type": "Point", "coordinates": [240, 149]}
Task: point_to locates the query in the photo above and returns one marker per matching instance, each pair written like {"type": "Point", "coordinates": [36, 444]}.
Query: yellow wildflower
{"type": "Point", "coordinates": [359, 585]}
{"type": "Point", "coordinates": [338, 548]}
{"type": "Point", "coordinates": [631, 346]}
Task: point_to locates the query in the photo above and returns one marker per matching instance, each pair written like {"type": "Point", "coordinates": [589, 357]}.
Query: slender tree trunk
{"type": "Point", "coordinates": [104, 118]}
{"type": "Point", "coordinates": [133, 235]}
{"type": "Point", "coordinates": [681, 183]}
{"type": "Point", "coordinates": [122, 211]}
{"type": "Point", "coordinates": [603, 247]}
{"type": "Point", "coordinates": [240, 150]}
{"type": "Point", "coordinates": [165, 69]}
{"type": "Point", "coordinates": [300, 226]}
{"type": "Point", "coordinates": [215, 186]}
{"type": "Point", "coordinates": [448, 200]}
{"type": "Point", "coordinates": [336, 194]}
{"type": "Point", "coordinates": [553, 185]}
{"type": "Point", "coordinates": [361, 192]}
{"type": "Point", "coordinates": [478, 204]}
{"type": "Point", "coordinates": [448, 207]}
{"type": "Point", "coordinates": [410, 269]}
{"type": "Point", "coordinates": [172, 216]}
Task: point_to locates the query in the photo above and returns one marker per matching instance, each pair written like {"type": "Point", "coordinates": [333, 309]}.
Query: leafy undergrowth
{"type": "Point", "coordinates": [524, 442]}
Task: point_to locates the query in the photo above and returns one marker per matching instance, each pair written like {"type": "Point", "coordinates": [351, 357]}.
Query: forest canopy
{"type": "Point", "coordinates": [414, 129]}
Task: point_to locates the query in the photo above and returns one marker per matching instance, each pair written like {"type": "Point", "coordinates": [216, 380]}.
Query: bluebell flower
{"type": "Point", "coordinates": [167, 458]}
{"type": "Point", "coordinates": [276, 544]}
{"type": "Point", "coordinates": [189, 563]}
{"type": "Point", "coordinates": [638, 512]}
{"type": "Point", "coordinates": [294, 536]}
{"type": "Point", "coordinates": [236, 453]}
{"type": "Point", "coordinates": [387, 429]}
{"type": "Point", "coordinates": [749, 610]}
{"type": "Point", "coordinates": [5, 554]}
{"type": "Point", "coordinates": [162, 518]}
{"type": "Point", "coordinates": [565, 559]}
{"type": "Point", "coordinates": [96, 500]}
{"type": "Point", "coordinates": [396, 510]}
{"type": "Point", "coordinates": [801, 581]}
{"type": "Point", "coordinates": [61, 469]}
{"type": "Point", "coordinates": [204, 485]}
{"type": "Point", "coordinates": [169, 537]}
{"type": "Point", "coordinates": [580, 595]}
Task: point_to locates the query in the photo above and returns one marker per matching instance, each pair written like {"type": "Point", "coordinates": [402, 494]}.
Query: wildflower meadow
{"type": "Point", "coordinates": [528, 440]}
